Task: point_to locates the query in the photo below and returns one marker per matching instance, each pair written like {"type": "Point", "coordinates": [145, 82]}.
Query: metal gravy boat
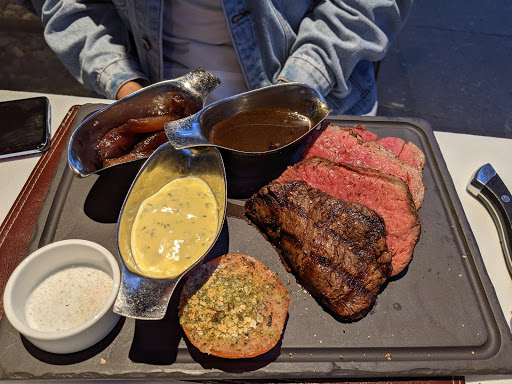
{"type": "Point", "coordinates": [149, 101]}
{"type": "Point", "coordinates": [143, 297]}
{"type": "Point", "coordinates": [247, 172]}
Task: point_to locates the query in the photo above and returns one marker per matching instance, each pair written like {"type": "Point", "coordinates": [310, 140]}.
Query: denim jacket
{"type": "Point", "coordinates": [329, 45]}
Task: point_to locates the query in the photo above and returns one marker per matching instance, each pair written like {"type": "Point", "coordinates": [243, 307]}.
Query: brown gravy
{"type": "Point", "coordinates": [260, 130]}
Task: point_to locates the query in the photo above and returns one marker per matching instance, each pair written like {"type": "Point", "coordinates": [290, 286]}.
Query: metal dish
{"type": "Point", "coordinates": [150, 101]}
{"type": "Point", "coordinates": [139, 296]}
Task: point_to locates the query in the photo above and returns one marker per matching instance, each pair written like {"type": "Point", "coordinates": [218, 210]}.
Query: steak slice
{"type": "Point", "coordinates": [336, 249]}
{"type": "Point", "coordinates": [412, 155]}
{"type": "Point", "coordinates": [385, 194]}
{"type": "Point", "coordinates": [344, 145]}
{"type": "Point", "coordinates": [366, 135]}
{"type": "Point", "coordinates": [409, 152]}
{"type": "Point", "coordinates": [392, 144]}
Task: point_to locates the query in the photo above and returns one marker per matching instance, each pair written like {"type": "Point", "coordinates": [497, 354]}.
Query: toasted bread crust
{"type": "Point", "coordinates": [234, 307]}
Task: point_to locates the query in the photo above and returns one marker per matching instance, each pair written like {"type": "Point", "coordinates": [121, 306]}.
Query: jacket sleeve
{"type": "Point", "coordinates": [338, 34]}
{"type": "Point", "coordinates": [91, 41]}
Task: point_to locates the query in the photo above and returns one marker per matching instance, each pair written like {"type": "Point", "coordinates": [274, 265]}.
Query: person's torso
{"type": "Point", "coordinates": [195, 35]}
{"type": "Point", "coordinates": [262, 32]}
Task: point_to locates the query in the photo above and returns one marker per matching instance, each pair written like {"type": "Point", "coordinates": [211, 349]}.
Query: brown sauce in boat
{"type": "Point", "coordinates": [260, 130]}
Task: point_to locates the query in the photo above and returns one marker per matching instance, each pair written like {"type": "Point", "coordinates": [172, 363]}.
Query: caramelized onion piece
{"type": "Point", "coordinates": [115, 143]}
{"type": "Point", "coordinates": [118, 141]}
{"type": "Point", "coordinates": [148, 124]}
{"type": "Point", "coordinates": [143, 149]}
{"type": "Point", "coordinates": [119, 144]}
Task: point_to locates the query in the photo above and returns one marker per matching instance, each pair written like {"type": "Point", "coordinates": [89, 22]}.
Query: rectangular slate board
{"type": "Point", "coordinates": [440, 317]}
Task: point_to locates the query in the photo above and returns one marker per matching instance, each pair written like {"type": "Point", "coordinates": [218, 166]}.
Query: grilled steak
{"type": "Point", "coordinates": [346, 145]}
{"type": "Point", "coordinates": [336, 249]}
{"type": "Point", "coordinates": [385, 194]}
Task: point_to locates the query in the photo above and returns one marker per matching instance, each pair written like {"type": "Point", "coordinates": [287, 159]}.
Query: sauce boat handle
{"type": "Point", "coordinates": [185, 133]}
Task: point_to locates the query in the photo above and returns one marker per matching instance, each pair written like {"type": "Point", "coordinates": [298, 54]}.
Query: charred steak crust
{"type": "Point", "coordinates": [385, 194]}
{"type": "Point", "coordinates": [336, 249]}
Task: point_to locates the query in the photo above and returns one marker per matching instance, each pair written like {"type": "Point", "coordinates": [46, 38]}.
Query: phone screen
{"type": "Point", "coordinates": [24, 126]}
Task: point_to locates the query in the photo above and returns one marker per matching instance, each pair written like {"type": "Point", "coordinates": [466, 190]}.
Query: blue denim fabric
{"type": "Point", "coordinates": [329, 45]}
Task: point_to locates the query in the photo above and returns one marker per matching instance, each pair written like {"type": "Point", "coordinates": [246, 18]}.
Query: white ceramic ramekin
{"type": "Point", "coordinates": [42, 264]}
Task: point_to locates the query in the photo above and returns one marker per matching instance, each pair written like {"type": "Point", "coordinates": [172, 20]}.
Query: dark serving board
{"type": "Point", "coordinates": [440, 317]}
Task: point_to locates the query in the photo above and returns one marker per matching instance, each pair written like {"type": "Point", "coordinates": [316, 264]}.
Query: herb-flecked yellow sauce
{"type": "Point", "coordinates": [174, 227]}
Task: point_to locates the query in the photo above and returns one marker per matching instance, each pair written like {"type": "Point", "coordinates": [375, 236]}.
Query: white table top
{"type": "Point", "coordinates": [462, 153]}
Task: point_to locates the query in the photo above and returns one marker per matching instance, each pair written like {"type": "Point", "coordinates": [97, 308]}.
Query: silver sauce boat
{"type": "Point", "coordinates": [150, 101]}
{"type": "Point", "coordinates": [247, 172]}
{"type": "Point", "coordinates": [140, 296]}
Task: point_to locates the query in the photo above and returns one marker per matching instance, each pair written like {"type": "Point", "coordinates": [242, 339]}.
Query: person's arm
{"type": "Point", "coordinates": [128, 88]}
{"type": "Point", "coordinates": [92, 42]}
{"type": "Point", "coordinates": [336, 35]}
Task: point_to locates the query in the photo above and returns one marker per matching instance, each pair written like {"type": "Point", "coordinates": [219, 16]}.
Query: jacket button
{"type": "Point", "coordinates": [146, 45]}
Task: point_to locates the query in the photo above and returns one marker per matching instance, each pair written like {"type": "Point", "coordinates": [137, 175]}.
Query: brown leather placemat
{"type": "Point", "coordinates": [18, 226]}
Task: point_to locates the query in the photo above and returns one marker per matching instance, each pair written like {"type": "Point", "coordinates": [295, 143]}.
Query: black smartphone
{"type": "Point", "coordinates": [24, 126]}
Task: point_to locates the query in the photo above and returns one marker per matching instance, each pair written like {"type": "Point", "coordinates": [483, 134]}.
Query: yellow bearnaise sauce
{"type": "Point", "coordinates": [174, 227]}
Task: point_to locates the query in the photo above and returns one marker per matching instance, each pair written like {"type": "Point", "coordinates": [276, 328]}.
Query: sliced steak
{"type": "Point", "coordinates": [409, 152]}
{"type": "Point", "coordinates": [366, 135]}
{"type": "Point", "coordinates": [393, 144]}
{"type": "Point", "coordinates": [346, 145]}
{"type": "Point", "coordinates": [385, 194]}
{"type": "Point", "coordinates": [412, 155]}
{"type": "Point", "coordinates": [336, 249]}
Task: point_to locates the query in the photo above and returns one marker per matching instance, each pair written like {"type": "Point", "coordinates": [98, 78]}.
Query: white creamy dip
{"type": "Point", "coordinates": [68, 298]}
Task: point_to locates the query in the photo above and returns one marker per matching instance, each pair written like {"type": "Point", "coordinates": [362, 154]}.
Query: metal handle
{"type": "Point", "coordinates": [185, 133]}
{"type": "Point", "coordinates": [143, 298]}
{"type": "Point", "coordinates": [487, 186]}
